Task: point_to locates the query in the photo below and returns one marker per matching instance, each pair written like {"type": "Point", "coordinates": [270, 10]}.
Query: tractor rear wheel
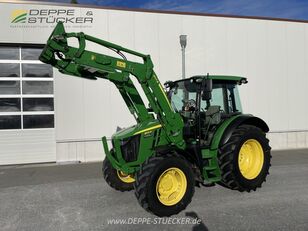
{"type": "Point", "coordinates": [117, 179]}
{"type": "Point", "coordinates": [244, 160]}
{"type": "Point", "coordinates": [165, 184]}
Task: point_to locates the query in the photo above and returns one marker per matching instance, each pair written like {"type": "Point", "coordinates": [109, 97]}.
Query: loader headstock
{"type": "Point", "coordinates": [55, 43]}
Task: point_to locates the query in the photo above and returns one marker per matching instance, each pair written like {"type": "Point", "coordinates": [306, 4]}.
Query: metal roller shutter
{"type": "Point", "coordinates": [27, 133]}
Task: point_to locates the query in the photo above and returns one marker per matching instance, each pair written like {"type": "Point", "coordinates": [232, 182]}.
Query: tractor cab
{"type": "Point", "coordinates": [204, 102]}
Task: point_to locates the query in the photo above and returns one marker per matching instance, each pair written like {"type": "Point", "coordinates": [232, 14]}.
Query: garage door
{"type": "Point", "coordinates": [27, 133]}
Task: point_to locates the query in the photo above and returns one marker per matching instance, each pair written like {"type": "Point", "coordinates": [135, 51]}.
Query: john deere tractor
{"type": "Point", "coordinates": [192, 133]}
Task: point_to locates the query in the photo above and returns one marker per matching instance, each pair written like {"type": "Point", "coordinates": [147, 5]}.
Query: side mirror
{"type": "Point", "coordinates": [207, 89]}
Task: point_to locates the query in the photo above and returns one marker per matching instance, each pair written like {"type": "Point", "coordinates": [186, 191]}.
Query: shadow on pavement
{"type": "Point", "coordinates": [197, 227]}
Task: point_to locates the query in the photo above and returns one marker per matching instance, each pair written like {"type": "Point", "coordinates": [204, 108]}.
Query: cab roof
{"type": "Point", "coordinates": [237, 79]}
{"type": "Point", "coordinates": [221, 78]}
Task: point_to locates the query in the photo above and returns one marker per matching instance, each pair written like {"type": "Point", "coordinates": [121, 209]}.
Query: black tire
{"type": "Point", "coordinates": [146, 180]}
{"type": "Point", "coordinates": [228, 156]}
{"type": "Point", "coordinates": [111, 177]}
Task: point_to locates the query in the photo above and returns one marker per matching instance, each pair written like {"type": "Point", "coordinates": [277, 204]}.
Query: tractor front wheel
{"type": "Point", "coordinates": [244, 160]}
{"type": "Point", "coordinates": [165, 184]}
{"type": "Point", "coordinates": [117, 179]}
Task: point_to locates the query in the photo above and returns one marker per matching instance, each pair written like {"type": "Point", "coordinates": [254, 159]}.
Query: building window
{"type": "Point", "coordinates": [9, 70]}
{"type": "Point", "coordinates": [9, 53]}
{"type": "Point", "coordinates": [26, 89]}
{"type": "Point", "coordinates": [36, 70]}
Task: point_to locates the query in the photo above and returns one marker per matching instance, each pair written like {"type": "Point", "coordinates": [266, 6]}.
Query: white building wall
{"type": "Point", "coordinates": [271, 54]}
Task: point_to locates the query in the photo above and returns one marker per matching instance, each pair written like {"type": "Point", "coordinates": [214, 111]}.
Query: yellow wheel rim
{"type": "Point", "coordinates": [251, 159]}
{"type": "Point", "coordinates": [171, 186]}
{"type": "Point", "coordinates": [126, 178]}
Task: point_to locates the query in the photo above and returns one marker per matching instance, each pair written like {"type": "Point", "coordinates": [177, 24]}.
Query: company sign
{"type": "Point", "coordinates": [41, 17]}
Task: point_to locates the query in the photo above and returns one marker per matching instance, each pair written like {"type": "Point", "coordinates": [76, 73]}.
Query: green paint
{"type": "Point", "coordinates": [166, 130]}
{"type": "Point", "coordinates": [211, 172]}
{"type": "Point", "coordinates": [220, 131]}
{"type": "Point", "coordinates": [91, 65]}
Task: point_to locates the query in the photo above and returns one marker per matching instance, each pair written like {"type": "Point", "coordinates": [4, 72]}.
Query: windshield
{"type": "Point", "coordinates": [183, 96]}
{"type": "Point", "coordinates": [180, 95]}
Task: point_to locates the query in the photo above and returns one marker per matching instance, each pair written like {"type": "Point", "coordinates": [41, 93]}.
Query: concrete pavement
{"type": "Point", "coordinates": [75, 197]}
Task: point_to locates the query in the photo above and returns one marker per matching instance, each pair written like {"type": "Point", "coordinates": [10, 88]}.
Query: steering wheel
{"type": "Point", "coordinates": [191, 105]}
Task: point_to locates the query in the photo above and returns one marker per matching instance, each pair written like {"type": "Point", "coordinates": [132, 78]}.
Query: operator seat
{"type": "Point", "coordinates": [212, 115]}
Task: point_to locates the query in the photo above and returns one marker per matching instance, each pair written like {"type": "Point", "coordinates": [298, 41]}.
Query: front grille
{"type": "Point", "coordinates": [130, 148]}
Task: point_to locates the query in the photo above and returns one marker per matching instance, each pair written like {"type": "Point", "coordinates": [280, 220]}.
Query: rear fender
{"type": "Point", "coordinates": [240, 120]}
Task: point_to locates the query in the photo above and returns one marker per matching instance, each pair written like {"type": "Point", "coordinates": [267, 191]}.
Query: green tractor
{"type": "Point", "coordinates": [192, 134]}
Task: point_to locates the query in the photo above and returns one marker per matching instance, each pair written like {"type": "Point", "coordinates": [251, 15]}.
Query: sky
{"type": "Point", "coordinates": [291, 9]}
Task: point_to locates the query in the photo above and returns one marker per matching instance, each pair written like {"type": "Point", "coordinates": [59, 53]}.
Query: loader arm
{"type": "Point", "coordinates": [78, 61]}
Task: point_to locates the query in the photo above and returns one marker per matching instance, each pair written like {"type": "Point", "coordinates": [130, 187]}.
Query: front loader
{"type": "Point", "coordinates": [192, 134]}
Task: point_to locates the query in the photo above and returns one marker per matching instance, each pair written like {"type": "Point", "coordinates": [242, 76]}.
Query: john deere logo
{"type": "Point", "coordinates": [19, 16]}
